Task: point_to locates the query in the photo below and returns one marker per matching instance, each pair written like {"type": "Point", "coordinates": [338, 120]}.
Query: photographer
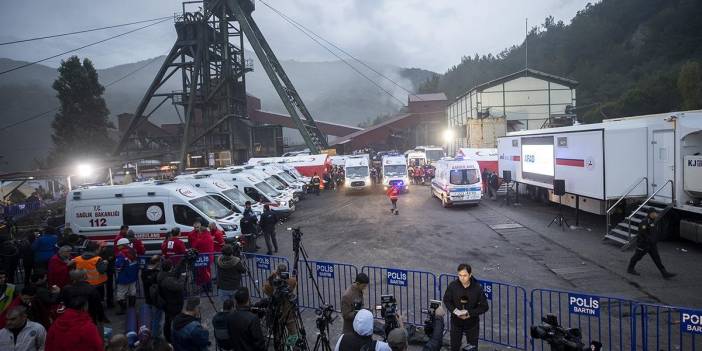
{"type": "Point", "coordinates": [361, 338]}
{"type": "Point", "coordinates": [275, 282]}
{"type": "Point", "coordinates": [352, 301]}
{"type": "Point", "coordinates": [229, 269]}
{"type": "Point", "coordinates": [244, 326]}
{"type": "Point", "coordinates": [170, 292]}
{"type": "Point", "coordinates": [436, 339]}
{"type": "Point", "coordinates": [465, 299]}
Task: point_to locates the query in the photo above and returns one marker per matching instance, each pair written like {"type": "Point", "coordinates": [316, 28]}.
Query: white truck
{"type": "Point", "coordinates": [651, 161]}
{"type": "Point", "coordinates": [432, 153]}
{"type": "Point", "coordinates": [150, 209]}
{"type": "Point", "coordinates": [357, 173]}
{"type": "Point", "coordinates": [394, 169]}
{"type": "Point", "coordinates": [457, 181]}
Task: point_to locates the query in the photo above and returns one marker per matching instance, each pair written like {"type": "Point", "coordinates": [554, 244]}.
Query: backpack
{"type": "Point", "coordinates": [221, 332]}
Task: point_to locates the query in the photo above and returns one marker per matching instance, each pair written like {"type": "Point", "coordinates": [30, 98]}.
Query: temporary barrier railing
{"type": "Point", "coordinates": [412, 290]}
{"type": "Point", "coordinates": [332, 279]}
{"type": "Point", "coordinates": [603, 318]}
{"type": "Point", "coordinates": [659, 327]}
{"type": "Point", "coordinates": [260, 268]}
{"type": "Point", "coordinates": [505, 323]}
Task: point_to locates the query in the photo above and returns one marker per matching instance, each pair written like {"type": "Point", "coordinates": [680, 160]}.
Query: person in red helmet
{"type": "Point", "coordinates": [394, 194]}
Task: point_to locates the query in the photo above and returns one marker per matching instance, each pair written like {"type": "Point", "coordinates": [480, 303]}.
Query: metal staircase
{"type": "Point", "coordinates": [626, 230]}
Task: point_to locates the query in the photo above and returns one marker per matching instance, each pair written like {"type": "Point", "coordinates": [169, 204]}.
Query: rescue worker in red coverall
{"type": "Point", "coordinates": [201, 240]}
{"type": "Point", "coordinates": [394, 194]}
{"type": "Point", "coordinates": [172, 247]}
{"type": "Point", "coordinates": [217, 237]}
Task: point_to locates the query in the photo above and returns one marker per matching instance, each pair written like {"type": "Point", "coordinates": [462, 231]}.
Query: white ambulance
{"type": "Point", "coordinates": [357, 173]}
{"type": "Point", "coordinates": [221, 190]}
{"type": "Point", "coordinates": [149, 209]}
{"type": "Point", "coordinates": [395, 172]}
{"type": "Point", "coordinates": [457, 181]}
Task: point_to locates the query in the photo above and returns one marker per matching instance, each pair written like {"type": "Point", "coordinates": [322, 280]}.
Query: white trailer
{"type": "Point", "coordinates": [645, 159]}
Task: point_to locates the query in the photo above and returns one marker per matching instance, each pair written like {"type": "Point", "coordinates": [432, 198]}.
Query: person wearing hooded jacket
{"type": "Point", "coordinates": [362, 335]}
{"type": "Point", "coordinates": [465, 299]}
{"type": "Point", "coordinates": [229, 269]}
{"type": "Point", "coordinates": [74, 330]}
{"type": "Point", "coordinates": [171, 293]}
{"type": "Point", "coordinates": [188, 333]}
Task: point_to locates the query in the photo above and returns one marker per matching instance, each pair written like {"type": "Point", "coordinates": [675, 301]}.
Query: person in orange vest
{"type": "Point", "coordinates": [94, 266]}
{"type": "Point", "coordinates": [394, 194]}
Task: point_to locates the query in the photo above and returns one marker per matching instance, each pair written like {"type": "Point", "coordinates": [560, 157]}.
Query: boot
{"type": "Point", "coordinates": [122, 307]}
{"type": "Point", "coordinates": [667, 275]}
{"type": "Point", "coordinates": [132, 301]}
{"type": "Point", "coordinates": [632, 271]}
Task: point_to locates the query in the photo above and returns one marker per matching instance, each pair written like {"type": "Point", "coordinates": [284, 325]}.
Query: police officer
{"type": "Point", "coordinates": [268, 222]}
{"type": "Point", "coordinates": [248, 227]}
{"type": "Point", "coordinates": [316, 182]}
{"type": "Point", "coordinates": [646, 244]}
{"type": "Point", "coordinates": [465, 300]}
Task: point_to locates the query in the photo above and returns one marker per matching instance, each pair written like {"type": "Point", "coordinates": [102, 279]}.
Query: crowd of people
{"type": "Point", "coordinates": [420, 174]}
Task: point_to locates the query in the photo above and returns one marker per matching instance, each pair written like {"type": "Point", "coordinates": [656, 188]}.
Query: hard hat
{"type": "Point", "coordinates": [123, 241]}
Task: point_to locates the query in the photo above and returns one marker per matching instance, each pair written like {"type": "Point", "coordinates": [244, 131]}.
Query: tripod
{"type": "Point", "coordinates": [559, 217]}
{"type": "Point", "coordinates": [324, 311]}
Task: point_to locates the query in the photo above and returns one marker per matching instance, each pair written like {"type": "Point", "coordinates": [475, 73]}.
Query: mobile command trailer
{"type": "Point", "coordinates": [433, 153]}
{"type": "Point", "coordinates": [457, 181]}
{"type": "Point", "coordinates": [395, 172]}
{"type": "Point", "coordinates": [357, 173]}
{"type": "Point", "coordinates": [221, 190]}
{"type": "Point", "coordinates": [149, 209]}
{"type": "Point", "coordinates": [651, 161]}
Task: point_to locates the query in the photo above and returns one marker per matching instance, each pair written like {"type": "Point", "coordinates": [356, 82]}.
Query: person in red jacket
{"type": "Point", "coordinates": [59, 265]}
{"type": "Point", "coordinates": [204, 244]}
{"type": "Point", "coordinates": [394, 194]}
{"type": "Point", "coordinates": [172, 245]}
{"type": "Point", "coordinates": [121, 234]}
{"type": "Point", "coordinates": [193, 235]}
{"type": "Point", "coordinates": [74, 330]}
{"type": "Point", "coordinates": [217, 237]}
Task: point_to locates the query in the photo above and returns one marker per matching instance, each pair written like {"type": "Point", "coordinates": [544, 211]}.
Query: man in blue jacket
{"type": "Point", "coordinates": [127, 268]}
{"type": "Point", "coordinates": [44, 247]}
{"type": "Point", "coordinates": [188, 333]}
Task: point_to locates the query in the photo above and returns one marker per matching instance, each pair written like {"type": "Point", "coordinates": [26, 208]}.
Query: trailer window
{"type": "Point", "coordinates": [185, 215]}
{"type": "Point", "coordinates": [464, 176]}
{"type": "Point", "coordinates": [143, 213]}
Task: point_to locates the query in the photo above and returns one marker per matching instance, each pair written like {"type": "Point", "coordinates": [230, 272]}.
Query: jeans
{"type": "Point", "coordinates": [226, 294]}
{"type": "Point", "coordinates": [156, 315]}
{"type": "Point", "coordinates": [394, 204]}
{"type": "Point", "coordinates": [271, 242]}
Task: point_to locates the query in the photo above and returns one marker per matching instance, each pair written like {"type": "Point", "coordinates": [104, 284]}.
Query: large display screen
{"type": "Point", "coordinates": [538, 160]}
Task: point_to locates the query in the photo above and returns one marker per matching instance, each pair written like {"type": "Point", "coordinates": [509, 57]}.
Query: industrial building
{"type": "Point", "coordinates": [527, 99]}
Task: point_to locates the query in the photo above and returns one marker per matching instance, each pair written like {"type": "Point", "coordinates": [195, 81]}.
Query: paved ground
{"type": "Point", "coordinates": [503, 243]}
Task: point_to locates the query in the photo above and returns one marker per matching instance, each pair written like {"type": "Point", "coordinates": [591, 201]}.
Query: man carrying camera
{"type": "Point", "coordinates": [244, 326]}
{"type": "Point", "coordinates": [281, 282]}
{"type": "Point", "coordinates": [352, 301]}
{"type": "Point", "coordinates": [361, 338]}
{"type": "Point", "coordinates": [434, 329]}
{"type": "Point", "coordinates": [465, 299]}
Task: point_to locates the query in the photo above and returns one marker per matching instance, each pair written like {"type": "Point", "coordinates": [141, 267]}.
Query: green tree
{"type": "Point", "coordinates": [431, 85]}
{"type": "Point", "coordinates": [690, 86]}
{"type": "Point", "coordinates": [81, 125]}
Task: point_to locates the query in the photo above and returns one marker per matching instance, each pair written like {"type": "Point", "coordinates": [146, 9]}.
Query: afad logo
{"type": "Point", "coordinates": [186, 192]}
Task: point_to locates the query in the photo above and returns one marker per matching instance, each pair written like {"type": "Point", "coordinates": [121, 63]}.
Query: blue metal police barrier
{"type": "Point", "coordinates": [412, 290]}
{"type": "Point", "coordinates": [505, 323]}
{"type": "Point", "coordinates": [659, 327]}
{"type": "Point", "coordinates": [603, 318]}
{"type": "Point", "coordinates": [332, 279]}
{"type": "Point", "coordinates": [260, 268]}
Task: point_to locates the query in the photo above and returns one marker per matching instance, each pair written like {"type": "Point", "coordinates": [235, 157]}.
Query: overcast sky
{"type": "Point", "coordinates": [410, 33]}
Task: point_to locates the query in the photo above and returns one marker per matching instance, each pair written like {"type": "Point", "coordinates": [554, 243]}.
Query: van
{"type": "Point", "coordinates": [255, 188]}
{"type": "Point", "coordinates": [269, 179]}
{"type": "Point", "coordinates": [457, 181]}
{"type": "Point", "coordinates": [150, 209]}
{"type": "Point", "coordinates": [221, 190]}
{"type": "Point", "coordinates": [298, 188]}
{"type": "Point", "coordinates": [357, 173]}
{"type": "Point", "coordinates": [394, 168]}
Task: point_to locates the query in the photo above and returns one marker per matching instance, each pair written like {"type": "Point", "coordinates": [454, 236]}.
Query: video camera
{"type": "Point", "coordinates": [191, 255]}
{"type": "Point", "coordinates": [431, 311]}
{"type": "Point", "coordinates": [559, 338]}
{"type": "Point", "coordinates": [281, 286]}
{"type": "Point", "coordinates": [388, 310]}
{"type": "Point", "coordinates": [324, 314]}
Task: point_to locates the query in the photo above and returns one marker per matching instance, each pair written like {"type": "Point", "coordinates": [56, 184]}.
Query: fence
{"type": "Point", "coordinates": [21, 209]}
{"type": "Point", "coordinates": [332, 279]}
{"type": "Point", "coordinates": [412, 289]}
{"type": "Point", "coordinates": [505, 323]}
{"type": "Point", "coordinates": [660, 327]}
{"type": "Point", "coordinates": [603, 318]}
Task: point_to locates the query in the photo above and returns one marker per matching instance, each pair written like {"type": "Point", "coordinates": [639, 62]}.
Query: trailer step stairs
{"type": "Point", "coordinates": [620, 232]}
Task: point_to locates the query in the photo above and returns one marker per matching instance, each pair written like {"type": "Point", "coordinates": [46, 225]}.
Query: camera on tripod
{"type": "Point", "coordinates": [388, 310]}
{"type": "Point", "coordinates": [282, 288]}
{"type": "Point", "coordinates": [556, 336]}
{"type": "Point", "coordinates": [431, 311]}
{"type": "Point", "coordinates": [191, 255]}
